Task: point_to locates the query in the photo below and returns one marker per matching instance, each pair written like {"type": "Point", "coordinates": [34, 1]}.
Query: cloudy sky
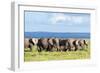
{"type": "Point", "coordinates": [56, 22]}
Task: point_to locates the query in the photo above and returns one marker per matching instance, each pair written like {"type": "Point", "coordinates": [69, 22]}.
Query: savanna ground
{"type": "Point", "coordinates": [46, 56]}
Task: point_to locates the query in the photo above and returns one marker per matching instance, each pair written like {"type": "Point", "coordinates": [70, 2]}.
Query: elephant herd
{"type": "Point", "coordinates": [55, 44]}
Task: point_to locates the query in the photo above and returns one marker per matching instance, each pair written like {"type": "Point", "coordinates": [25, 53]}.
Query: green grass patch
{"type": "Point", "coordinates": [46, 56]}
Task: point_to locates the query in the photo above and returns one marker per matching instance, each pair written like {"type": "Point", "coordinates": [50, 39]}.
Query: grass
{"type": "Point", "coordinates": [46, 56]}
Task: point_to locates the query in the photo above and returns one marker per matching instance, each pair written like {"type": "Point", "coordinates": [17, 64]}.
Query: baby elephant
{"type": "Point", "coordinates": [28, 43]}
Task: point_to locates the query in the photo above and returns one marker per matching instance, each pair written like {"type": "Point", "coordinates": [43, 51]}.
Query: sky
{"type": "Point", "coordinates": [36, 21]}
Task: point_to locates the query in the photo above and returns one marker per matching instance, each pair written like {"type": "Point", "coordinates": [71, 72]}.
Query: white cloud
{"type": "Point", "coordinates": [77, 19]}
{"type": "Point", "coordinates": [60, 18]}
{"type": "Point", "coordinates": [56, 18]}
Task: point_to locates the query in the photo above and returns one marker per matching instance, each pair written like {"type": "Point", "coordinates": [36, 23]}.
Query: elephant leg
{"type": "Point", "coordinates": [76, 48]}
{"type": "Point", "coordinates": [30, 46]}
{"type": "Point", "coordinates": [57, 49]}
{"type": "Point", "coordinates": [69, 48]}
{"type": "Point", "coordinates": [39, 49]}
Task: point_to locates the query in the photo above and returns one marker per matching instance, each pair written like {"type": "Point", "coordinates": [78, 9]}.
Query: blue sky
{"type": "Point", "coordinates": [56, 22]}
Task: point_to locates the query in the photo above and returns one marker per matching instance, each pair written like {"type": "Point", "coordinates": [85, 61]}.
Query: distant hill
{"type": "Point", "coordinates": [55, 34]}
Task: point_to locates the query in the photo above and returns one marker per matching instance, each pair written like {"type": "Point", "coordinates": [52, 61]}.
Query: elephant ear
{"type": "Point", "coordinates": [31, 41]}
{"type": "Point", "coordinates": [77, 42]}
{"type": "Point", "coordinates": [35, 40]}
